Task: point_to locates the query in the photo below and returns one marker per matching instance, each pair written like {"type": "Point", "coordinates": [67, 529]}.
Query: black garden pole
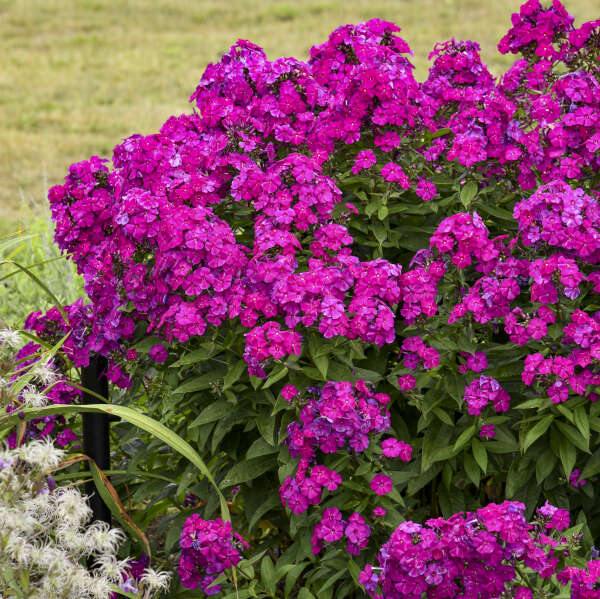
{"type": "Point", "coordinates": [96, 439]}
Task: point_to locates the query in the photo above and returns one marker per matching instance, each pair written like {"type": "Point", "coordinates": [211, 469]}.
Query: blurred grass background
{"type": "Point", "coordinates": [77, 76]}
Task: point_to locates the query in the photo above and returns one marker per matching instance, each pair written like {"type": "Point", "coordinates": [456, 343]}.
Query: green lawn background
{"type": "Point", "coordinates": [76, 76]}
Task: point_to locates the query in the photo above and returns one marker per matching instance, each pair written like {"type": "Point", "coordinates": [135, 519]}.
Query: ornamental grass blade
{"type": "Point", "coordinates": [159, 430]}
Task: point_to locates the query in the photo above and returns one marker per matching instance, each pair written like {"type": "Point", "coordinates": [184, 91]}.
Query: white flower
{"type": "Point", "coordinates": [156, 581]}
{"type": "Point", "coordinates": [103, 539]}
{"type": "Point", "coordinates": [11, 338]}
{"type": "Point", "coordinates": [42, 454]}
{"type": "Point", "coordinates": [32, 398]}
{"type": "Point", "coordinates": [72, 508]}
{"type": "Point", "coordinates": [44, 373]}
{"type": "Point", "coordinates": [99, 588]}
{"type": "Point", "coordinates": [112, 568]}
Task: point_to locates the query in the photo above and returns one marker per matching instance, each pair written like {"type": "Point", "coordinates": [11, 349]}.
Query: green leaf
{"type": "Point", "coordinates": [574, 436]}
{"type": "Point", "coordinates": [467, 193]}
{"type": "Point", "coordinates": [292, 576]}
{"type": "Point", "coordinates": [259, 448]}
{"type": "Point", "coordinates": [215, 411]}
{"type": "Point", "coordinates": [267, 574]}
{"type": "Point", "coordinates": [544, 465]}
{"type": "Point", "coordinates": [199, 383]}
{"type": "Point", "coordinates": [568, 455]}
{"type": "Point", "coordinates": [198, 355]}
{"type": "Point", "coordinates": [155, 428]}
{"type": "Point", "coordinates": [592, 466]}
{"type": "Point", "coordinates": [305, 594]}
{"type": "Point", "coordinates": [234, 373]}
{"type": "Point", "coordinates": [275, 376]}
{"type": "Point", "coordinates": [534, 433]}
{"type": "Point", "coordinates": [110, 497]}
{"type": "Point", "coordinates": [247, 470]}
{"type": "Point", "coordinates": [464, 437]}
{"type": "Point", "coordinates": [272, 502]}
{"type": "Point", "coordinates": [472, 469]}
{"type": "Point", "coordinates": [582, 422]}
{"type": "Point", "coordinates": [480, 454]}
{"type": "Point", "coordinates": [519, 473]}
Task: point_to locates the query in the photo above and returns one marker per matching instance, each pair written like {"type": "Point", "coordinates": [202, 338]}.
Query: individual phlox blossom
{"type": "Point", "coordinates": [289, 392]}
{"type": "Point", "coordinates": [393, 448]}
{"type": "Point", "coordinates": [364, 159]}
{"type": "Point", "coordinates": [485, 390]}
{"type": "Point", "coordinates": [476, 362]}
{"type": "Point", "coordinates": [414, 352]}
{"type": "Point", "coordinates": [381, 484]}
{"type": "Point", "coordinates": [269, 341]}
{"type": "Point", "coordinates": [426, 190]}
{"type": "Point", "coordinates": [406, 382]}
{"type": "Point", "coordinates": [158, 353]}
{"type": "Point", "coordinates": [209, 547]}
{"type": "Point", "coordinates": [488, 431]}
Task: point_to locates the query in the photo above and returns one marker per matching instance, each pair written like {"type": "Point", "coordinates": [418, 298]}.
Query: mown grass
{"type": "Point", "coordinates": [78, 76]}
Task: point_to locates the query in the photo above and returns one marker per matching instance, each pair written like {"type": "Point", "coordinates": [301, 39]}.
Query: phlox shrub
{"type": "Point", "coordinates": [368, 302]}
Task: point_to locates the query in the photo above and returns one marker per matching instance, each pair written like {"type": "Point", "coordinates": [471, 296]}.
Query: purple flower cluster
{"type": "Point", "coordinates": [483, 391]}
{"type": "Point", "coordinates": [339, 415]}
{"type": "Point", "coordinates": [469, 554]}
{"type": "Point", "coordinates": [208, 548]}
{"type": "Point", "coordinates": [332, 528]}
{"type": "Point", "coordinates": [560, 216]}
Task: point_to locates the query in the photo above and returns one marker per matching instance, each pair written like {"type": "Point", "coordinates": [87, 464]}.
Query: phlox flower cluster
{"type": "Point", "coordinates": [415, 352]}
{"type": "Point", "coordinates": [479, 554]}
{"type": "Point", "coordinates": [562, 217]}
{"type": "Point", "coordinates": [149, 234]}
{"type": "Point", "coordinates": [333, 527]}
{"type": "Point", "coordinates": [483, 391]}
{"type": "Point", "coordinates": [209, 547]}
{"type": "Point", "coordinates": [339, 415]}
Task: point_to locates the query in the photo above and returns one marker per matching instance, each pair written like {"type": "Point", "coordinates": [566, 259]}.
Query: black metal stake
{"type": "Point", "coordinates": [96, 439]}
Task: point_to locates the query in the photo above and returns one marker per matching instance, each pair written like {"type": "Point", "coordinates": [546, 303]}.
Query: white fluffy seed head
{"type": "Point", "coordinates": [43, 373]}
{"type": "Point", "coordinates": [111, 568]}
{"type": "Point", "coordinates": [32, 398]}
{"type": "Point", "coordinates": [103, 539]}
{"type": "Point", "coordinates": [10, 338]}
{"type": "Point", "coordinates": [156, 581]}
{"type": "Point", "coordinates": [72, 508]}
{"type": "Point", "coordinates": [41, 454]}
